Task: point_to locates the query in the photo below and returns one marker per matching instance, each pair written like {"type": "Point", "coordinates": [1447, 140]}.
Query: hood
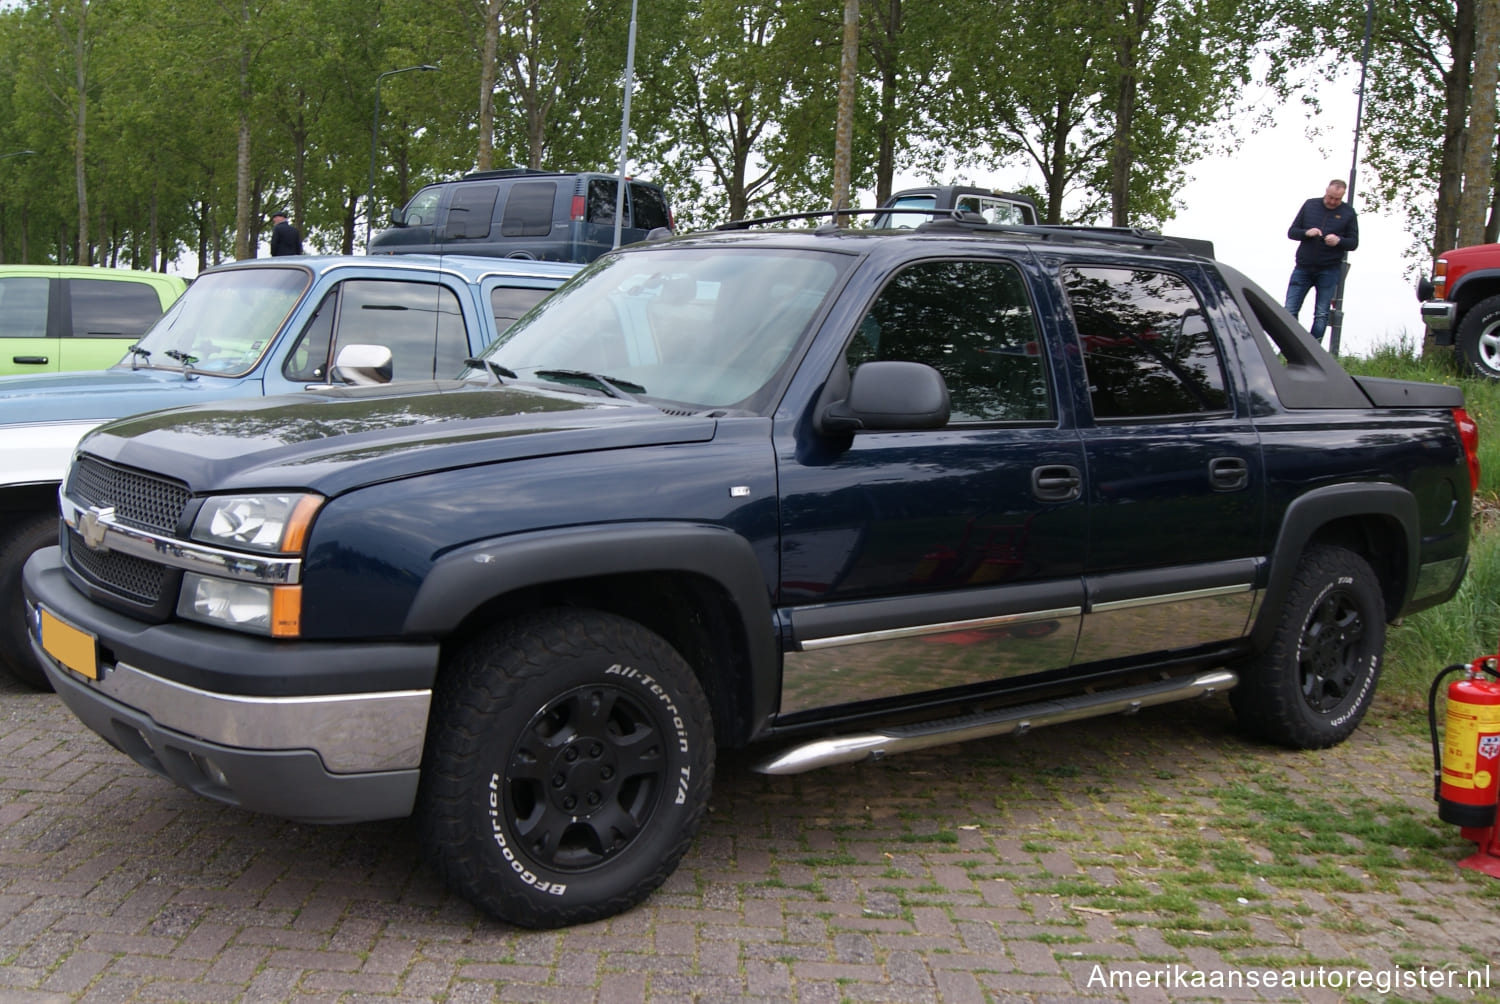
{"type": "Point", "coordinates": [333, 441]}
{"type": "Point", "coordinates": [100, 395]}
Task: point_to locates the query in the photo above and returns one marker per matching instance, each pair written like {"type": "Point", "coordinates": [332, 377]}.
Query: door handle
{"type": "Point", "coordinates": [1056, 483]}
{"type": "Point", "coordinates": [1228, 474]}
{"type": "Point", "coordinates": [29, 360]}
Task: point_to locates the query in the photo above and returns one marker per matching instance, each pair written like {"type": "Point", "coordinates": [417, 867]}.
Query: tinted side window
{"type": "Point", "coordinates": [508, 303]}
{"type": "Point", "coordinates": [471, 209]}
{"type": "Point", "coordinates": [108, 307]}
{"type": "Point", "coordinates": [973, 323]}
{"type": "Point", "coordinates": [528, 209]}
{"type": "Point", "coordinates": [601, 202]}
{"type": "Point", "coordinates": [650, 207]}
{"type": "Point", "coordinates": [1147, 348]}
{"type": "Point", "coordinates": [23, 307]}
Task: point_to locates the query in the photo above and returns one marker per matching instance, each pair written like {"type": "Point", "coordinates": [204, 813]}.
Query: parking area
{"type": "Point", "coordinates": [1157, 857]}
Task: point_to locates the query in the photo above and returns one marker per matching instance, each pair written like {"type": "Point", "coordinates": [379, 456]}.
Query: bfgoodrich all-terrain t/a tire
{"type": "Point", "coordinates": [1478, 338]}
{"type": "Point", "coordinates": [568, 764]}
{"type": "Point", "coordinates": [1313, 685]}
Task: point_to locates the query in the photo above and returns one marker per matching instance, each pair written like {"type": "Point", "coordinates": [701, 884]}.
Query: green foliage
{"type": "Point", "coordinates": [164, 127]}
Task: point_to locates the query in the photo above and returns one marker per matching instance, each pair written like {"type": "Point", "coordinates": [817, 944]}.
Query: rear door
{"type": "Point", "coordinates": [29, 331]}
{"type": "Point", "coordinates": [947, 558]}
{"type": "Point", "coordinates": [103, 317]}
{"type": "Point", "coordinates": [1174, 465]}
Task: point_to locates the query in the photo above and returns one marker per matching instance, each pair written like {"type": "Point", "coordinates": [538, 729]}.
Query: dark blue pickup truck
{"type": "Point", "coordinates": [829, 492]}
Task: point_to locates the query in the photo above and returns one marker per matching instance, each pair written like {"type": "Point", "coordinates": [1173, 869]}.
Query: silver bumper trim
{"type": "Point", "coordinates": [1438, 314]}
{"type": "Point", "coordinates": [351, 733]}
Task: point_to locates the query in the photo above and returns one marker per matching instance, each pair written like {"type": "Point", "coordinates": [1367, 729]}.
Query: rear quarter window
{"type": "Point", "coordinates": [650, 207]}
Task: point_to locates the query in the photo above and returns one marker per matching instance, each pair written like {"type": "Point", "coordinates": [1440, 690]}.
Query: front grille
{"type": "Point", "coordinates": [129, 576]}
{"type": "Point", "coordinates": [142, 500]}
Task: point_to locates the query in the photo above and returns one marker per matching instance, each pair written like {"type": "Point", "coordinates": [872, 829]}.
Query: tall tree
{"type": "Point", "coordinates": [1479, 140]}
{"type": "Point", "coordinates": [843, 145]}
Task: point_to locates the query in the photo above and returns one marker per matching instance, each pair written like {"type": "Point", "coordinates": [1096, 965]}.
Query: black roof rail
{"type": "Point", "coordinates": [1071, 233]}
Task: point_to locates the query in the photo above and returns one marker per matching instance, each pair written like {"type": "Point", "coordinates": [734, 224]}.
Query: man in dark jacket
{"type": "Point", "coordinates": [1325, 230]}
{"type": "Point", "coordinates": [285, 238]}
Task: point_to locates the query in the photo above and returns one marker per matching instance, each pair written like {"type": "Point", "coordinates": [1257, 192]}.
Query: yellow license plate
{"type": "Point", "coordinates": [70, 646]}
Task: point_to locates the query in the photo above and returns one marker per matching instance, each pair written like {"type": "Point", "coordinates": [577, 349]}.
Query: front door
{"type": "Point", "coordinates": [937, 559]}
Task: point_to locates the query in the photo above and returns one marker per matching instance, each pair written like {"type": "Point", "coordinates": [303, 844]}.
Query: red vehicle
{"type": "Point", "coordinates": [1461, 305]}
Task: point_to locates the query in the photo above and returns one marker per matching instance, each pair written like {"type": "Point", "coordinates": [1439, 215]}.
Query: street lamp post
{"type": "Point", "coordinates": [625, 125]}
{"type": "Point", "coordinates": [18, 153]}
{"type": "Point", "coordinates": [374, 134]}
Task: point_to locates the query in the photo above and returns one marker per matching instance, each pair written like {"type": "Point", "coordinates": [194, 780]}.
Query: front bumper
{"type": "Point", "coordinates": [1438, 315]}
{"type": "Point", "coordinates": [320, 757]}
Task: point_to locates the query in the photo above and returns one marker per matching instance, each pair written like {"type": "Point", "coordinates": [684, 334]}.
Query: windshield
{"type": "Point", "coordinates": [702, 327]}
{"type": "Point", "coordinates": [224, 323]}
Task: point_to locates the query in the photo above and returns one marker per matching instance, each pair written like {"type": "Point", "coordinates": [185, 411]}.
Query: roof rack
{"type": "Point", "coordinates": [505, 172]}
{"type": "Point", "coordinates": [967, 221]}
{"type": "Point", "coordinates": [823, 213]}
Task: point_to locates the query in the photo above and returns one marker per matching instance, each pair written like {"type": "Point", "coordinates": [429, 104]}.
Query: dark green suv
{"type": "Point", "coordinates": [523, 213]}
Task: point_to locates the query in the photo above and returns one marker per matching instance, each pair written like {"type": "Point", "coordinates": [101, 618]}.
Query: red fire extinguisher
{"type": "Point", "coordinates": [1466, 776]}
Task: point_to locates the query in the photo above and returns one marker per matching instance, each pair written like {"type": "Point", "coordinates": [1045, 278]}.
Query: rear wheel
{"type": "Point", "coordinates": [1478, 338]}
{"type": "Point", "coordinates": [28, 535]}
{"type": "Point", "coordinates": [568, 764]}
{"type": "Point", "coordinates": [1313, 685]}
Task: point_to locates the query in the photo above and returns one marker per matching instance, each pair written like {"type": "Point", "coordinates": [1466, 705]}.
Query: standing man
{"type": "Point", "coordinates": [1325, 230]}
{"type": "Point", "coordinates": [285, 238]}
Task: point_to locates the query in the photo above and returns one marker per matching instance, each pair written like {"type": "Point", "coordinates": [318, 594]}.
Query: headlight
{"type": "Point", "coordinates": [272, 523]}
{"type": "Point", "coordinates": [269, 610]}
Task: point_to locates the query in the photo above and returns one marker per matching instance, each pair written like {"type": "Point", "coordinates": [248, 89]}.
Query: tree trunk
{"type": "Point", "coordinates": [80, 72]}
{"type": "Point", "coordinates": [486, 156]}
{"type": "Point", "coordinates": [1455, 118]}
{"type": "Point", "coordinates": [242, 246]}
{"type": "Point", "coordinates": [1137, 15]}
{"type": "Point", "coordinates": [1479, 152]}
{"type": "Point", "coordinates": [843, 143]}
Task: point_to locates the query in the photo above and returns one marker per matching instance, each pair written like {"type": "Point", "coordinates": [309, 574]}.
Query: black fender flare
{"type": "Point", "coordinates": [1490, 277]}
{"type": "Point", "coordinates": [1312, 511]}
{"type": "Point", "coordinates": [464, 579]}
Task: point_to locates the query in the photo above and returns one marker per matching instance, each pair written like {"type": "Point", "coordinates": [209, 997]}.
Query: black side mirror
{"type": "Point", "coordinates": [889, 396]}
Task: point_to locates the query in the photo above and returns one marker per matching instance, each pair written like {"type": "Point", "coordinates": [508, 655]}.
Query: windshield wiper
{"type": "Point", "coordinates": [186, 360]}
{"type": "Point", "coordinates": [136, 352]}
{"type": "Point", "coordinates": [493, 370]}
{"type": "Point", "coordinates": [625, 390]}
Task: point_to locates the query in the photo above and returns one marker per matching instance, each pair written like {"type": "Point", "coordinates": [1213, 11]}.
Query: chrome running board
{"type": "Point", "coordinates": [1023, 718]}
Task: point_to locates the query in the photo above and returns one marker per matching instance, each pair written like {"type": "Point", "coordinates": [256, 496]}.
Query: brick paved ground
{"type": "Point", "coordinates": [1162, 846]}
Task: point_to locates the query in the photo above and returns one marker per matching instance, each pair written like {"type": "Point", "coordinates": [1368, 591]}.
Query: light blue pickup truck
{"type": "Point", "coordinates": [248, 329]}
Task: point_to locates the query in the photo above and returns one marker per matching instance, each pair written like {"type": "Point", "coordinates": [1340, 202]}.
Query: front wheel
{"type": "Point", "coordinates": [568, 764]}
{"type": "Point", "coordinates": [1313, 685]}
{"type": "Point", "coordinates": [1478, 338]}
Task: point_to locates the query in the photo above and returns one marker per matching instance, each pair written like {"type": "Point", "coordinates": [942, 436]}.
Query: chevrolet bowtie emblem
{"type": "Point", "coordinates": [92, 523]}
